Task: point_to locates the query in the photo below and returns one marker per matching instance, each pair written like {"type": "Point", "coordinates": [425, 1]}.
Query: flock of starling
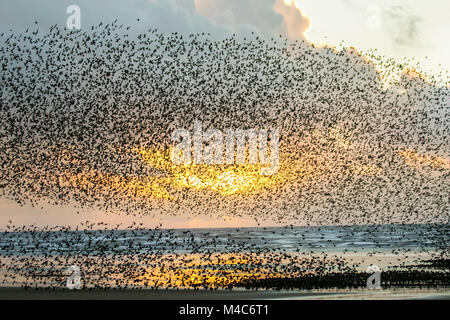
{"type": "Point", "coordinates": [86, 119]}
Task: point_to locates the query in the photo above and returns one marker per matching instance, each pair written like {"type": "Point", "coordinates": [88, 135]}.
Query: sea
{"type": "Point", "coordinates": [315, 239]}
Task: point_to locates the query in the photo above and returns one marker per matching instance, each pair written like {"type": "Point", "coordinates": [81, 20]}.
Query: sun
{"type": "Point", "coordinates": [230, 183]}
{"type": "Point", "coordinates": [222, 179]}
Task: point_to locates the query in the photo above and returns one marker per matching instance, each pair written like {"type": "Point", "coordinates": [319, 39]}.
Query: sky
{"type": "Point", "coordinates": [408, 28]}
{"type": "Point", "coordinates": [400, 28]}
{"type": "Point", "coordinates": [414, 29]}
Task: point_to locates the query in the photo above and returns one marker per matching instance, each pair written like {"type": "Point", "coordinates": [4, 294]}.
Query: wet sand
{"type": "Point", "coordinates": [276, 286]}
{"type": "Point", "coordinates": [352, 294]}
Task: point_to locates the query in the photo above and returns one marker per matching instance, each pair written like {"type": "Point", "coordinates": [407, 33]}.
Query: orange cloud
{"type": "Point", "coordinates": [414, 159]}
{"type": "Point", "coordinates": [295, 22]}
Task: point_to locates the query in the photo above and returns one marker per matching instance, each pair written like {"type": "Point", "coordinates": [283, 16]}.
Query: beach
{"type": "Point", "coordinates": [110, 294]}
{"type": "Point", "coordinates": [277, 262]}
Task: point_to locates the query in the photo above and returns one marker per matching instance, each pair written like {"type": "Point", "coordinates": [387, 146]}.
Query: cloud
{"type": "Point", "coordinates": [270, 17]}
{"type": "Point", "coordinates": [295, 24]}
{"type": "Point", "coordinates": [236, 14]}
{"type": "Point", "coordinates": [403, 26]}
{"type": "Point", "coordinates": [218, 17]}
{"type": "Point", "coordinates": [166, 15]}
